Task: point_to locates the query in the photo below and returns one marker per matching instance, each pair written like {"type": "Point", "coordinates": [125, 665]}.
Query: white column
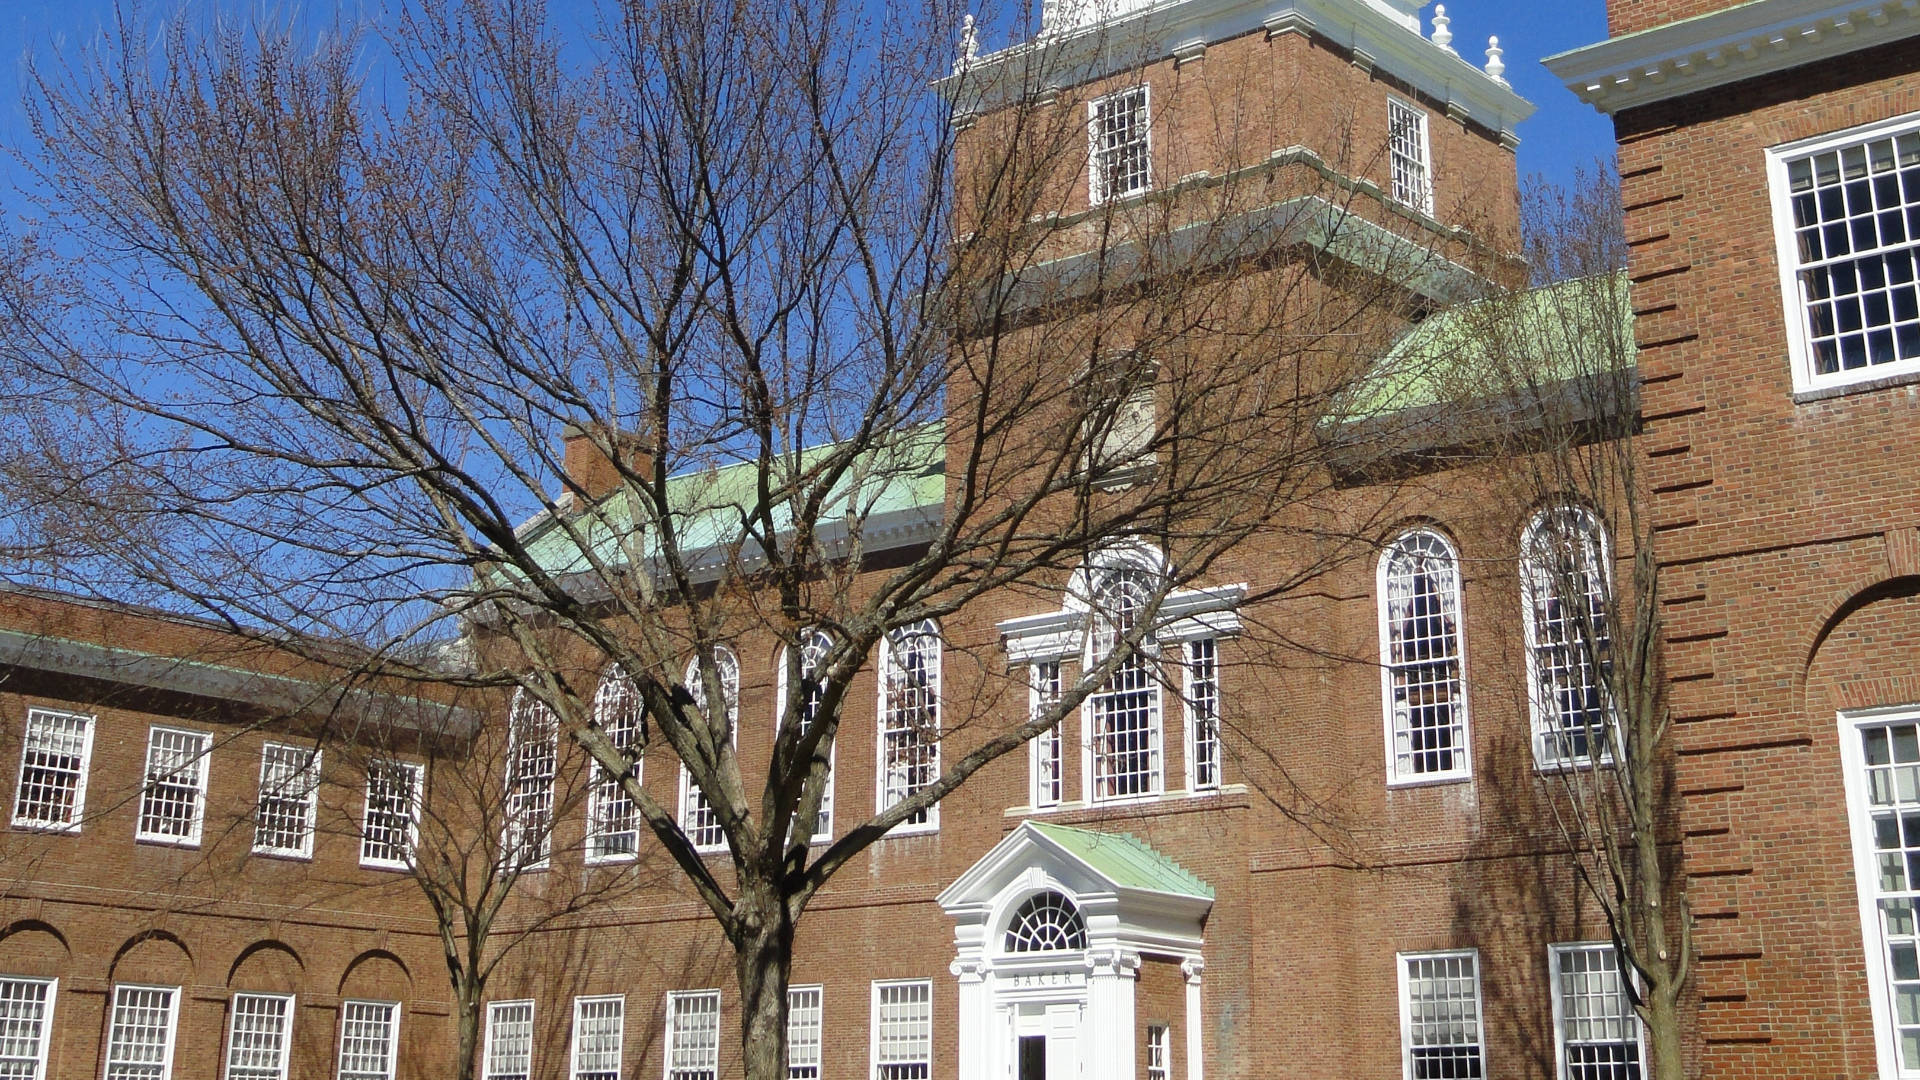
{"type": "Point", "coordinates": [1110, 1026]}
{"type": "Point", "coordinates": [1191, 967]}
{"type": "Point", "coordinates": [976, 1019]}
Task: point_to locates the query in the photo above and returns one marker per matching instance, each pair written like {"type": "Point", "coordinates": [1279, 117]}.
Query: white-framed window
{"type": "Point", "coordinates": [910, 719]}
{"type": "Point", "coordinates": [1119, 133]}
{"type": "Point", "coordinates": [815, 646]}
{"type": "Point", "coordinates": [26, 1016]}
{"type": "Point", "coordinates": [599, 1035]}
{"type": "Point", "coordinates": [1408, 156]}
{"type": "Point", "coordinates": [532, 759]}
{"type": "Point", "coordinates": [1122, 759]}
{"type": "Point", "coordinates": [391, 826]}
{"type": "Point", "coordinates": [1119, 395]}
{"type": "Point", "coordinates": [1046, 753]}
{"type": "Point", "coordinates": [1596, 1031]}
{"type": "Point", "coordinates": [369, 1039]}
{"type": "Point", "coordinates": [1045, 922]}
{"type": "Point", "coordinates": [1440, 1016]}
{"type": "Point", "coordinates": [259, 1036]}
{"type": "Point", "coordinates": [1202, 693]}
{"type": "Point", "coordinates": [697, 817]}
{"type": "Point", "coordinates": [1846, 214]}
{"type": "Point", "coordinates": [902, 1029]}
{"type": "Point", "coordinates": [804, 1013]}
{"type": "Point", "coordinates": [54, 754]}
{"type": "Point", "coordinates": [173, 801]}
{"type": "Point", "coordinates": [1564, 593]}
{"type": "Point", "coordinates": [1157, 1052]}
{"type": "Point", "coordinates": [1422, 660]}
{"type": "Point", "coordinates": [140, 1032]}
{"type": "Point", "coordinates": [693, 1035]}
{"type": "Point", "coordinates": [284, 817]}
{"type": "Point", "coordinates": [509, 1048]}
{"type": "Point", "coordinates": [1880, 752]}
{"type": "Point", "coordinates": [613, 821]}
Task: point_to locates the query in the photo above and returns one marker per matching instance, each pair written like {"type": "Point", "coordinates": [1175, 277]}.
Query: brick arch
{"type": "Point", "coordinates": [267, 965]}
{"type": "Point", "coordinates": [1889, 687]}
{"type": "Point", "coordinates": [153, 956]}
{"type": "Point", "coordinates": [33, 947]}
{"type": "Point", "coordinates": [378, 974]}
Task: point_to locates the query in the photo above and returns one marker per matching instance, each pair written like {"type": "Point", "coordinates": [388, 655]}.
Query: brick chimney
{"type": "Point", "coordinates": [589, 469]}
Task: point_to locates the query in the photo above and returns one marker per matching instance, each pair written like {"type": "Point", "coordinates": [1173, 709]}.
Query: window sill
{"type": "Point", "coordinates": [1813, 394]}
{"type": "Point", "coordinates": [68, 828]}
{"type": "Point", "coordinates": [912, 830]}
{"type": "Point", "coordinates": [282, 854]}
{"type": "Point", "coordinates": [1430, 781]}
{"type": "Point", "coordinates": [1228, 796]}
{"type": "Point", "coordinates": [610, 860]}
{"type": "Point", "coordinates": [168, 841]}
{"type": "Point", "coordinates": [392, 868]}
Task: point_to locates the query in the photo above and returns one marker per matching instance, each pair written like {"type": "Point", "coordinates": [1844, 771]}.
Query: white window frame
{"type": "Point", "coordinates": [1159, 1043]}
{"type": "Point", "coordinates": [666, 1044]}
{"type": "Point", "coordinates": [78, 815]}
{"type": "Point", "coordinates": [285, 1049]}
{"type": "Point", "coordinates": [796, 1003]}
{"type": "Point", "coordinates": [494, 1011]}
{"type": "Point", "coordinates": [936, 677]}
{"type": "Point", "coordinates": [823, 831]}
{"type": "Point", "coordinates": [1421, 200]}
{"type": "Point", "coordinates": [1463, 752]}
{"type": "Point", "coordinates": [1147, 654]}
{"type": "Point", "coordinates": [1046, 752]}
{"type": "Point", "coordinates": [575, 1070]}
{"type": "Point", "coordinates": [1202, 715]}
{"type": "Point", "coordinates": [1536, 585]}
{"type": "Point", "coordinates": [616, 691]}
{"type": "Point", "coordinates": [310, 777]}
{"type": "Point", "coordinates": [393, 1040]}
{"type": "Point", "coordinates": [529, 797]}
{"type": "Point", "coordinates": [1404, 962]}
{"type": "Point", "coordinates": [43, 1039]}
{"type": "Point", "coordinates": [1556, 955]}
{"type": "Point", "coordinates": [1787, 252]}
{"type": "Point", "coordinates": [173, 1027]}
{"type": "Point", "coordinates": [419, 773]}
{"type": "Point", "coordinates": [873, 1027]}
{"type": "Point", "coordinates": [1866, 873]}
{"type": "Point", "coordinates": [690, 793]}
{"type": "Point", "coordinates": [1097, 193]}
{"type": "Point", "coordinates": [203, 764]}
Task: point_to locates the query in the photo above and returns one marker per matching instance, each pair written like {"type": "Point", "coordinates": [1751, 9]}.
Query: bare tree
{"type": "Point", "coordinates": [779, 295]}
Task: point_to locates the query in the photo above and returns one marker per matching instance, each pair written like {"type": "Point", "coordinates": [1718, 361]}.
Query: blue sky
{"type": "Point", "coordinates": [1563, 135]}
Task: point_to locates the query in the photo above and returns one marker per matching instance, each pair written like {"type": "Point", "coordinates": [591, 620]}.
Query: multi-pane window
{"type": "Point", "coordinates": [1203, 714]}
{"type": "Point", "coordinates": [902, 1030]}
{"type": "Point", "coordinates": [1123, 714]}
{"type": "Point", "coordinates": [532, 749]}
{"type": "Point", "coordinates": [697, 817]}
{"type": "Point", "coordinates": [392, 824]}
{"type": "Point", "coordinates": [369, 1033]}
{"type": "Point", "coordinates": [1407, 149]}
{"type": "Point", "coordinates": [910, 717]}
{"type": "Point", "coordinates": [1885, 788]}
{"type": "Point", "coordinates": [140, 1032]}
{"type": "Point", "coordinates": [509, 1049]}
{"type": "Point", "coordinates": [259, 1036]}
{"type": "Point", "coordinates": [1156, 1052]}
{"type": "Point", "coordinates": [1047, 769]}
{"type": "Point", "coordinates": [1440, 1016]}
{"type": "Point", "coordinates": [693, 1035]}
{"type": "Point", "coordinates": [26, 1012]}
{"type": "Point", "coordinates": [1046, 922]}
{"type": "Point", "coordinates": [283, 819]}
{"type": "Point", "coordinates": [1420, 632]}
{"type": "Point", "coordinates": [53, 770]}
{"type": "Point", "coordinates": [1597, 1035]}
{"type": "Point", "coordinates": [1847, 210]}
{"type": "Point", "coordinates": [1121, 158]}
{"type": "Point", "coordinates": [803, 1032]}
{"type": "Point", "coordinates": [173, 799]}
{"type": "Point", "coordinates": [613, 822]}
{"type": "Point", "coordinates": [1564, 585]}
{"type": "Point", "coordinates": [814, 649]}
{"type": "Point", "coordinates": [599, 1031]}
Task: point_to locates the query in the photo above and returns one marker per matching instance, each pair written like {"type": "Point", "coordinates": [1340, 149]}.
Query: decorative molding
{"type": "Point", "coordinates": [1188, 51]}
{"type": "Point", "coordinates": [1749, 41]}
{"type": "Point", "coordinates": [1288, 22]}
{"type": "Point", "coordinates": [1191, 967]}
{"type": "Point", "coordinates": [1183, 616]}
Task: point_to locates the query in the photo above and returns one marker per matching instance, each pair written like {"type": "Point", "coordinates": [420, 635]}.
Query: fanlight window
{"type": "Point", "coordinates": [1046, 922]}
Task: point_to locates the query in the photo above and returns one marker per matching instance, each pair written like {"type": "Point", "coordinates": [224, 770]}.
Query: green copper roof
{"type": "Point", "coordinates": [1126, 860]}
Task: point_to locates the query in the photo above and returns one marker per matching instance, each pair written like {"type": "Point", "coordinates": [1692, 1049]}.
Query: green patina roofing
{"type": "Point", "coordinates": [1126, 860]}
{"type": "Point", "coordinates": [904, 473]}
{"type": "Point", "coordinates": [1582, 326]}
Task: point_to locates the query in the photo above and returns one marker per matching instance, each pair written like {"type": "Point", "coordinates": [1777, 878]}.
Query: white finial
{"type": "Point", "coordinates": [969, 43]}
{"type": "Point", "coordinates": [1442, 28]}
{"type": "Point", "coordinates": [1496, 67]}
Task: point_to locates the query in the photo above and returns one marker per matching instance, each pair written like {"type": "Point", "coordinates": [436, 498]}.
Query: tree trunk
{"type": "Point", "coordinates": [763, 952]}
{"type": "Point", "coordinates": [466, 1019]}
{"type": "Point", "coordinates": [1662, 1017]}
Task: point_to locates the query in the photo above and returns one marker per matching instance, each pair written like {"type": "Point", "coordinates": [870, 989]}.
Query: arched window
{"type": "Point", "coordinates": [531, 733]}
{"type": "Point", "coordinates": [1564, 589]}
{"type": "Point", "coordinates": [697, 817]}
{"type": "Point", "coordinates": [613, 822]}
{"type": "Point", "coordinates": [1046, 922]}
{"type": "Point", "coordinates": [814, 647]}
{"type": "Point", "coordinates": [1123, 715]}
{"type": "Point", "coordinates": [1420, 642]}
{"type": "Point", "coordinates": [910, 717]}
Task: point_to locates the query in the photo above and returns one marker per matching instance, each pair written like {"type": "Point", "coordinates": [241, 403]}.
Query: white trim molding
{"type": "Point", "coordinates": [1747, 41]}
{"type": "Point", "coordinates": [1212, 611]}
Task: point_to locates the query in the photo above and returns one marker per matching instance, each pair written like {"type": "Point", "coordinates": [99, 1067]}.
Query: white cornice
{"type": "Point", "coordinates": [1371, 30]}
{"type": "Point", "coordinates": [1748, 41]}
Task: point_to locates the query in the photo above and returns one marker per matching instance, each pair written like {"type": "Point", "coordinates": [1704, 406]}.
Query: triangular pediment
{"type": "Point", "coordinates": [1085, 862]}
